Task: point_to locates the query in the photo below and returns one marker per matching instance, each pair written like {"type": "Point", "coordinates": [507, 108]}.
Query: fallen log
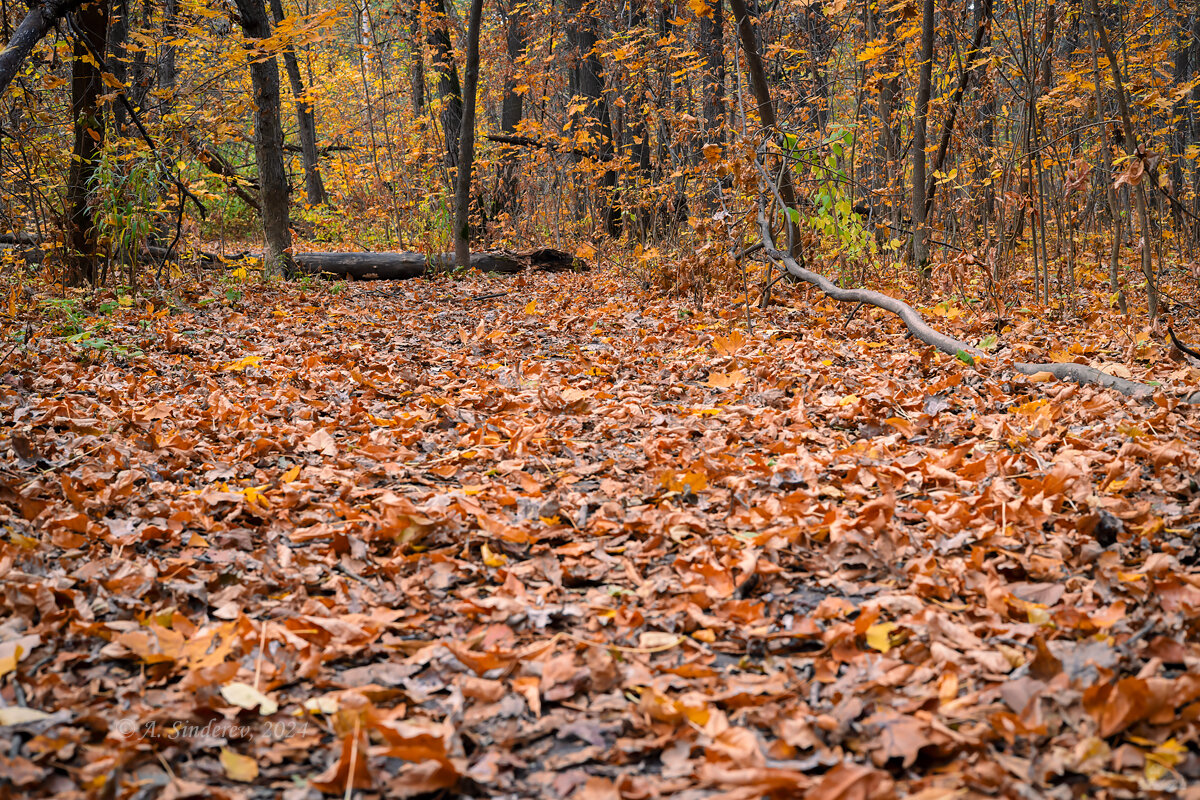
{"type": "Point", "coordinates": [1079, 373]}
{"type": "Point", "coordinates": [396, 266]}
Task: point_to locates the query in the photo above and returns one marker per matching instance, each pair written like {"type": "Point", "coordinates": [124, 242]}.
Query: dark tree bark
{"type": "Point", "coordinates": [766, 113]}
{"type": "Point", "coordinates": [889, 92]}
{"type": "Point", "coordinates": [416, 62]}
{"type": "Point", "coordinates": [268, 143]}
{"type": "Point", "coordinates": [1131, 148]}
{"type": "Point", "coordinates": [587, 83]}
{"type": "Point", "coordinates": [964, 80]}
{"type": "Point", "coordinates": [466, 144]}
{"type": "Point", "coordinates": [920, 127]}
{"type": "Point", "coordinates": [36, 24]}
{"type": "Point", "coordinates": [91, 23]}
{"type": "Point", "coordinates": [512, 108]}
{"type": "Point", "coordinates": [449, 91]}
{"type": "Point", "coordinates": [820, 44]}
{"type": "Point", "coordinates": [1180, 75]}
{"type": "Point", "coordinates": [166, 70]}
{"type": "Point", "coordinates": [314, 187]}
{"type": "Point", "coordinates": [712, 48]}
{"type": "Point", "coordinates": [118, 34]}
{"type": "Point", "coordinates": [516, 39]}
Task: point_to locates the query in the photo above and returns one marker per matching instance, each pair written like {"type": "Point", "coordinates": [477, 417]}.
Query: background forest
{"type": "Point", "coordinates": [1044, 152]}
{"type": "Point", "coordinates": [654, 519]}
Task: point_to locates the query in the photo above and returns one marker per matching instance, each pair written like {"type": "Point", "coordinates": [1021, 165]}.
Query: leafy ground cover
{"type": "Point", "coordinates": [549, 537]}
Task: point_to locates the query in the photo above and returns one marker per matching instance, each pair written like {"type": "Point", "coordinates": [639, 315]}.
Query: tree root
{"type": "Point", "coordinates": [1078, 373]}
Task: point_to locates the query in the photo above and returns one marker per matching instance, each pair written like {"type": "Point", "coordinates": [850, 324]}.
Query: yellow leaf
{"type": "Point", "coordinates": [879, 636]}
{"type": "Point", "coordinates": [291, 474]}
{"type": "Point", "coordinates": [238, 767]}
{"type": "Point", "coordinates": [492, 559]}
{"type": "Point", "coordinates": [585, 251]}
{"type": "Point", "coordinates": [254, 495]}
{"type": "Point", "coordinates": [700, 8]}
{"type": "Point", "coordinates": [1163, 759]}
{"type": "Point", "coordinates": [242, 364]}
{"type": "Point", "coordinates": [243, 695]}
{"type": "Point", "coordinates": [9, 663]}
{"type": "Point", "coordinates": [531, 307]}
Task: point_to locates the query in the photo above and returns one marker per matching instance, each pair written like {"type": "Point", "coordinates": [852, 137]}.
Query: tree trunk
{"type": "Point", "coordinates": [1180, 76]}
{"type": "Point", "coordinates": [513, 106]}
{"type": "Point", "coordinates": [588, 82]}
{"type": "Point", "coordinates": [1131, 148]}
{"type": "Point", "coordinates": [766, 113]}
{"type": "Point", "coordinates": [964, 80]}
{"type": "Point", "coordinates": [920, 126]}
{"type": "Point", "coordinates": [118, 35]}
{"type": "Point", "coordinates": [36, 24]}
{"type": "Point", "coordinates": [712, 48]}
{"type": "Point", "coordinates": [91, 20]}
{"type": "Point", "coordinates": [449, 90]}
{"type": "Point", "coordinates": [166, 74]}
{"type": "Point", "coordinates": [889, 91]}
{"type": "Point", "coordinates": [818, 28]}
{"type": "Point", "coordinates": [268, 144]}
{"type": "Point", "coordinates": [416, 63]}
{"type": "Point", "coordinates": [466, 144]}
{"type": "Point", "coordinates": [314, 188]}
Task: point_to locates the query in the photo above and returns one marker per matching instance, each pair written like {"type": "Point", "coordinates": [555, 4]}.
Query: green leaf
{"type": "Point", "coordinates": [965, 357]}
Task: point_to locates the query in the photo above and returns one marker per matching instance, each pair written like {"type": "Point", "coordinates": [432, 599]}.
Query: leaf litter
{"type": "Point", "coordinates": [573, 541]}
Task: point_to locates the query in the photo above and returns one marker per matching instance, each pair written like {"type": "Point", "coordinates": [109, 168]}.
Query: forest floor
{"type": "Point", "coordinates": [546, 536]}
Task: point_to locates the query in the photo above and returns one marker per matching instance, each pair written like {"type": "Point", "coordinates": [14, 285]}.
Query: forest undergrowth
{"type": "Point", "coordinates": [555, 536]}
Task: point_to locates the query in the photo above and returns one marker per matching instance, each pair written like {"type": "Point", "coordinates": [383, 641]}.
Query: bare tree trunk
{"type": "Point", "coordinates": [588, 80]}
{"type": "Point", "coordinates": [712, 48]}
{"type": "Point", "coordinates": [889, 91]}
{"type": "Point", "coordinates": [91, 20]}
{"type": "Point", "coordinates": [268, 144]}
{"type": "Point", "coordinates": [766, 113]}
{"type": "Point", "coordinates": [166, 75]}
{"type": "Point", "coordinates": [466, 144]}
{"type": "Point", "coordinates": [118, 34]}
{"type": "Point", "coordinates": [818, 28]}
{"type": "Point", "coordinates": [513, 105]}
{"type": "Point", "coordinates": [1131, 148]}
{"type": "Point", "coordinates": [416, 63]}
{"type": "Point", "coordinates": [639, 131]}
{"type": "Point", "coordinates": [448, 88]}
{"type": "Point", "coordinates": [964, 80]}
{"type": "Point", "coordinates": [314, 187]}
{"type": "Point", "coordinates": [36, 24]}
{"type": "Point", "coordinates": [920, 125]}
